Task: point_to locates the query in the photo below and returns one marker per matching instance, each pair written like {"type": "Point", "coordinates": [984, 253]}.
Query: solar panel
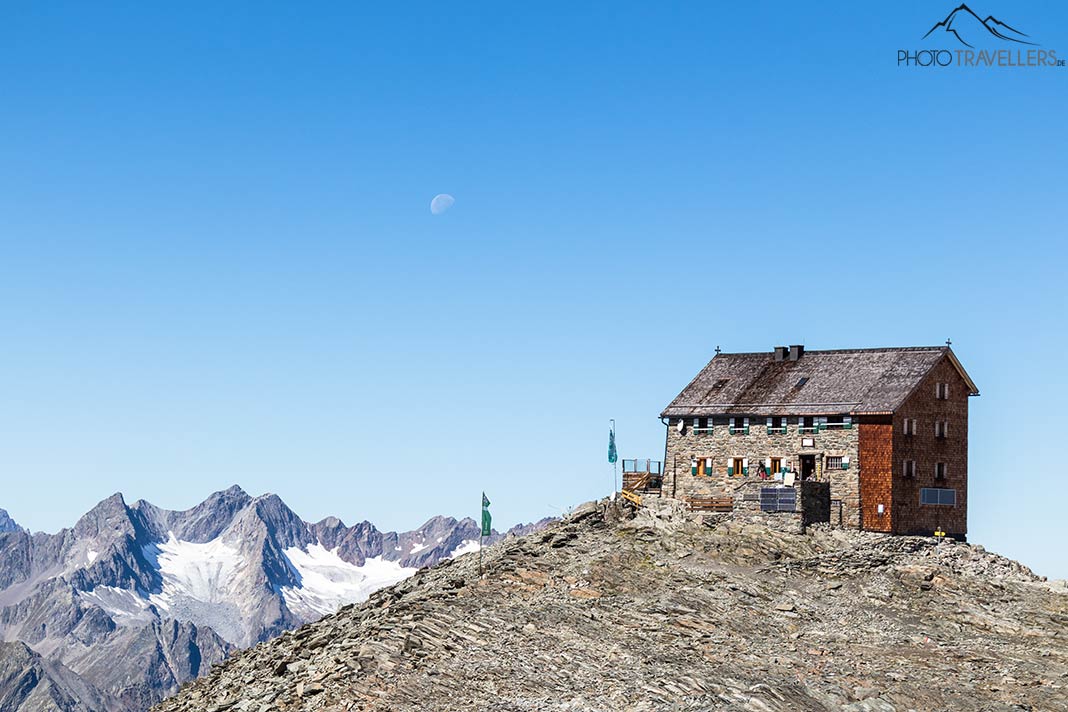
{"type": "Point", "coordinates": [778, 499]}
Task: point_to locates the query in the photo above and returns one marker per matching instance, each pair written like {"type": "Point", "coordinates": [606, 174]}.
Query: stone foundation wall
{"type": "Point", "coordinates": [785, 522]}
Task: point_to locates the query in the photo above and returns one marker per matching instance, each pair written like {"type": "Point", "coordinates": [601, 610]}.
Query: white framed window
{"type": "Point", "coordinates": [737, 466]}
{"type": "Point", "coordinates": [834, 462]}
{"type": "Point", "coordinates": [843, 422]}
{"type": "Point", "coordinates": [941, 428]}
{"type": "Point", "coordinates": [940, 471]}
{"type": "Point", "coordinates": [909, 426]}
{"type": "Point", "coordinates": [701, 467]}
{"type": "Point", "coordinates": [938, 496]}
{"type": "Point", "coordinates": [908, 468]}
{"type": "Point", "coordinates": [776, 425]}
{"type": "Point", "coordinates": [739, 426]}
{"type": "Point", "coordinates": [942, 391]}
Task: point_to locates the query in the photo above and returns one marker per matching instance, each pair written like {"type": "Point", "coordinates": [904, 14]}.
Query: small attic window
{"type": "Point", "coordinates": [720, 383]}
{"type": "Point", "coordinates": [801, 381]}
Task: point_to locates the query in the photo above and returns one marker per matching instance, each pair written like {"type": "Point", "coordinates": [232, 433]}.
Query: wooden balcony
{"type": "Point", "coordinates": [643, 476]}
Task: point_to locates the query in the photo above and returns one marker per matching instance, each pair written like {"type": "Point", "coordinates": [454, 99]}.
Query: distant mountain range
{"type": "Point", "coordinates": [116, 612]}
{"type": "Point", "coordinates": [969, 29]}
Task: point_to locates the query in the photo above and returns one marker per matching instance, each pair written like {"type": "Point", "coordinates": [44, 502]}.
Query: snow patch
{"type": "Point", "coordinates": [417, 548]}
{"type": "Point", "coordinates": [199, 571]}
{"type": "Point", "coordinates": [124, 607]}
{"type": "Point", "coordinates": [466, 547]}
{"type": "Point", "coordinates": [91, 555]}
{"type": "Point", "coordinates": [328, 582]}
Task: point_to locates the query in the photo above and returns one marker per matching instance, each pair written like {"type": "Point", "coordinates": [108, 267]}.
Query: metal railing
{"type": "Point", "coordinates": [653, 467]}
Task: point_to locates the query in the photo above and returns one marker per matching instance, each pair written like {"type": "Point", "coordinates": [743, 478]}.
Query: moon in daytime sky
{"type": "Point", "coordinates": [441, 203]}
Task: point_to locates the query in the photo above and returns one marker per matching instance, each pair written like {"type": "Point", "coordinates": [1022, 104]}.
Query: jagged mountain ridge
{"type": "Point", "coordinates": [662, 609]}
{"type": "Point", "coordinates": [7, 524]}
{"type": "Point", "coordinates": [135, 599]}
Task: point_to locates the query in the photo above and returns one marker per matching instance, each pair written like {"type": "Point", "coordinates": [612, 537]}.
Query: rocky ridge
{"type": "Point", "coordinates": [610, 610]}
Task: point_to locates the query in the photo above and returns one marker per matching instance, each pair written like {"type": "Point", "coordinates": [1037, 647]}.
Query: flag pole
{"type": "Point", "coordinates": [484, 531]}
{"type": "Point", "coordinates": [615, 473]}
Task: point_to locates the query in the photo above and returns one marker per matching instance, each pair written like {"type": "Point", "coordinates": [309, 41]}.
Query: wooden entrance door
{"type": "Point", "coordinates": [808, 466]}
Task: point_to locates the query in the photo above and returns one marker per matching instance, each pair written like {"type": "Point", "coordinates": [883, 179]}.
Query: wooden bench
{"type": "Point", "coordinates": [709, 503]}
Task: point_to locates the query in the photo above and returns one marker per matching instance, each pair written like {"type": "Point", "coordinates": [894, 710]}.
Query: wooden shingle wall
{"type": "Point", "coordinates": [876, 473]}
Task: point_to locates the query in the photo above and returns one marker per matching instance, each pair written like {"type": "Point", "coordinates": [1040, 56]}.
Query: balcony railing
{"type": "Point", "coordinates": [655, 467]}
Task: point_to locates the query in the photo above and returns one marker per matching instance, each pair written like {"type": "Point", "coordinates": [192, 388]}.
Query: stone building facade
{"type": "Point", "coordinates": [700, 463]}
{"type": "Point", "coordinates": [886, 429]}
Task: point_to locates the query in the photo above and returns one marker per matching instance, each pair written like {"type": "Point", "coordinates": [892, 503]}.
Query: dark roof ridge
{"type": "Point", "coordinates": [840, 351]}
{"type": "Point", "coordinates": [876, 348]}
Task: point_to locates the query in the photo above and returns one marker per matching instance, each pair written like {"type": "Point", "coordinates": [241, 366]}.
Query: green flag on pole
{"type": "Point", "coordinates": [486, 519]}
{"type": "Point", "coordinates": [612, 445]}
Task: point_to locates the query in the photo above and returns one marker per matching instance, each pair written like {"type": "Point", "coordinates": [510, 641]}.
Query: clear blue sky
{"type": "Point", "coordinates": [218, 264]}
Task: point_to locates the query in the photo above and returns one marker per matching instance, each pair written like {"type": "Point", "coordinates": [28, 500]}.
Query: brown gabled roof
{"type": "Point", "coordinates": [839, 381]}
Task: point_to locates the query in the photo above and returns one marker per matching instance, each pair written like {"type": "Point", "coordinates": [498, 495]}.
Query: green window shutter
{"type": "Point", "coordinates": [730, 471]}
{"type": "Point", "coordinates": [845, 463]}
{"type": "Point", "coordinates": [745, 466]}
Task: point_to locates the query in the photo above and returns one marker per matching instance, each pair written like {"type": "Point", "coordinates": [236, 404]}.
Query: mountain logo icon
{"type": "Point", "coordinates": [970, 29]}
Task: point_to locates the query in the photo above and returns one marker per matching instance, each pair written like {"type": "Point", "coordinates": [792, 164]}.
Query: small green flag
{"type": "Point", "coordinates": [612, 445]}
{"type": "Point", "coordinates": [487, 521]}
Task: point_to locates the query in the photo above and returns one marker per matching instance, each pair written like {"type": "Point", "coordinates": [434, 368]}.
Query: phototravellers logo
{"type": "Point", "coordinates": [963, 39]}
